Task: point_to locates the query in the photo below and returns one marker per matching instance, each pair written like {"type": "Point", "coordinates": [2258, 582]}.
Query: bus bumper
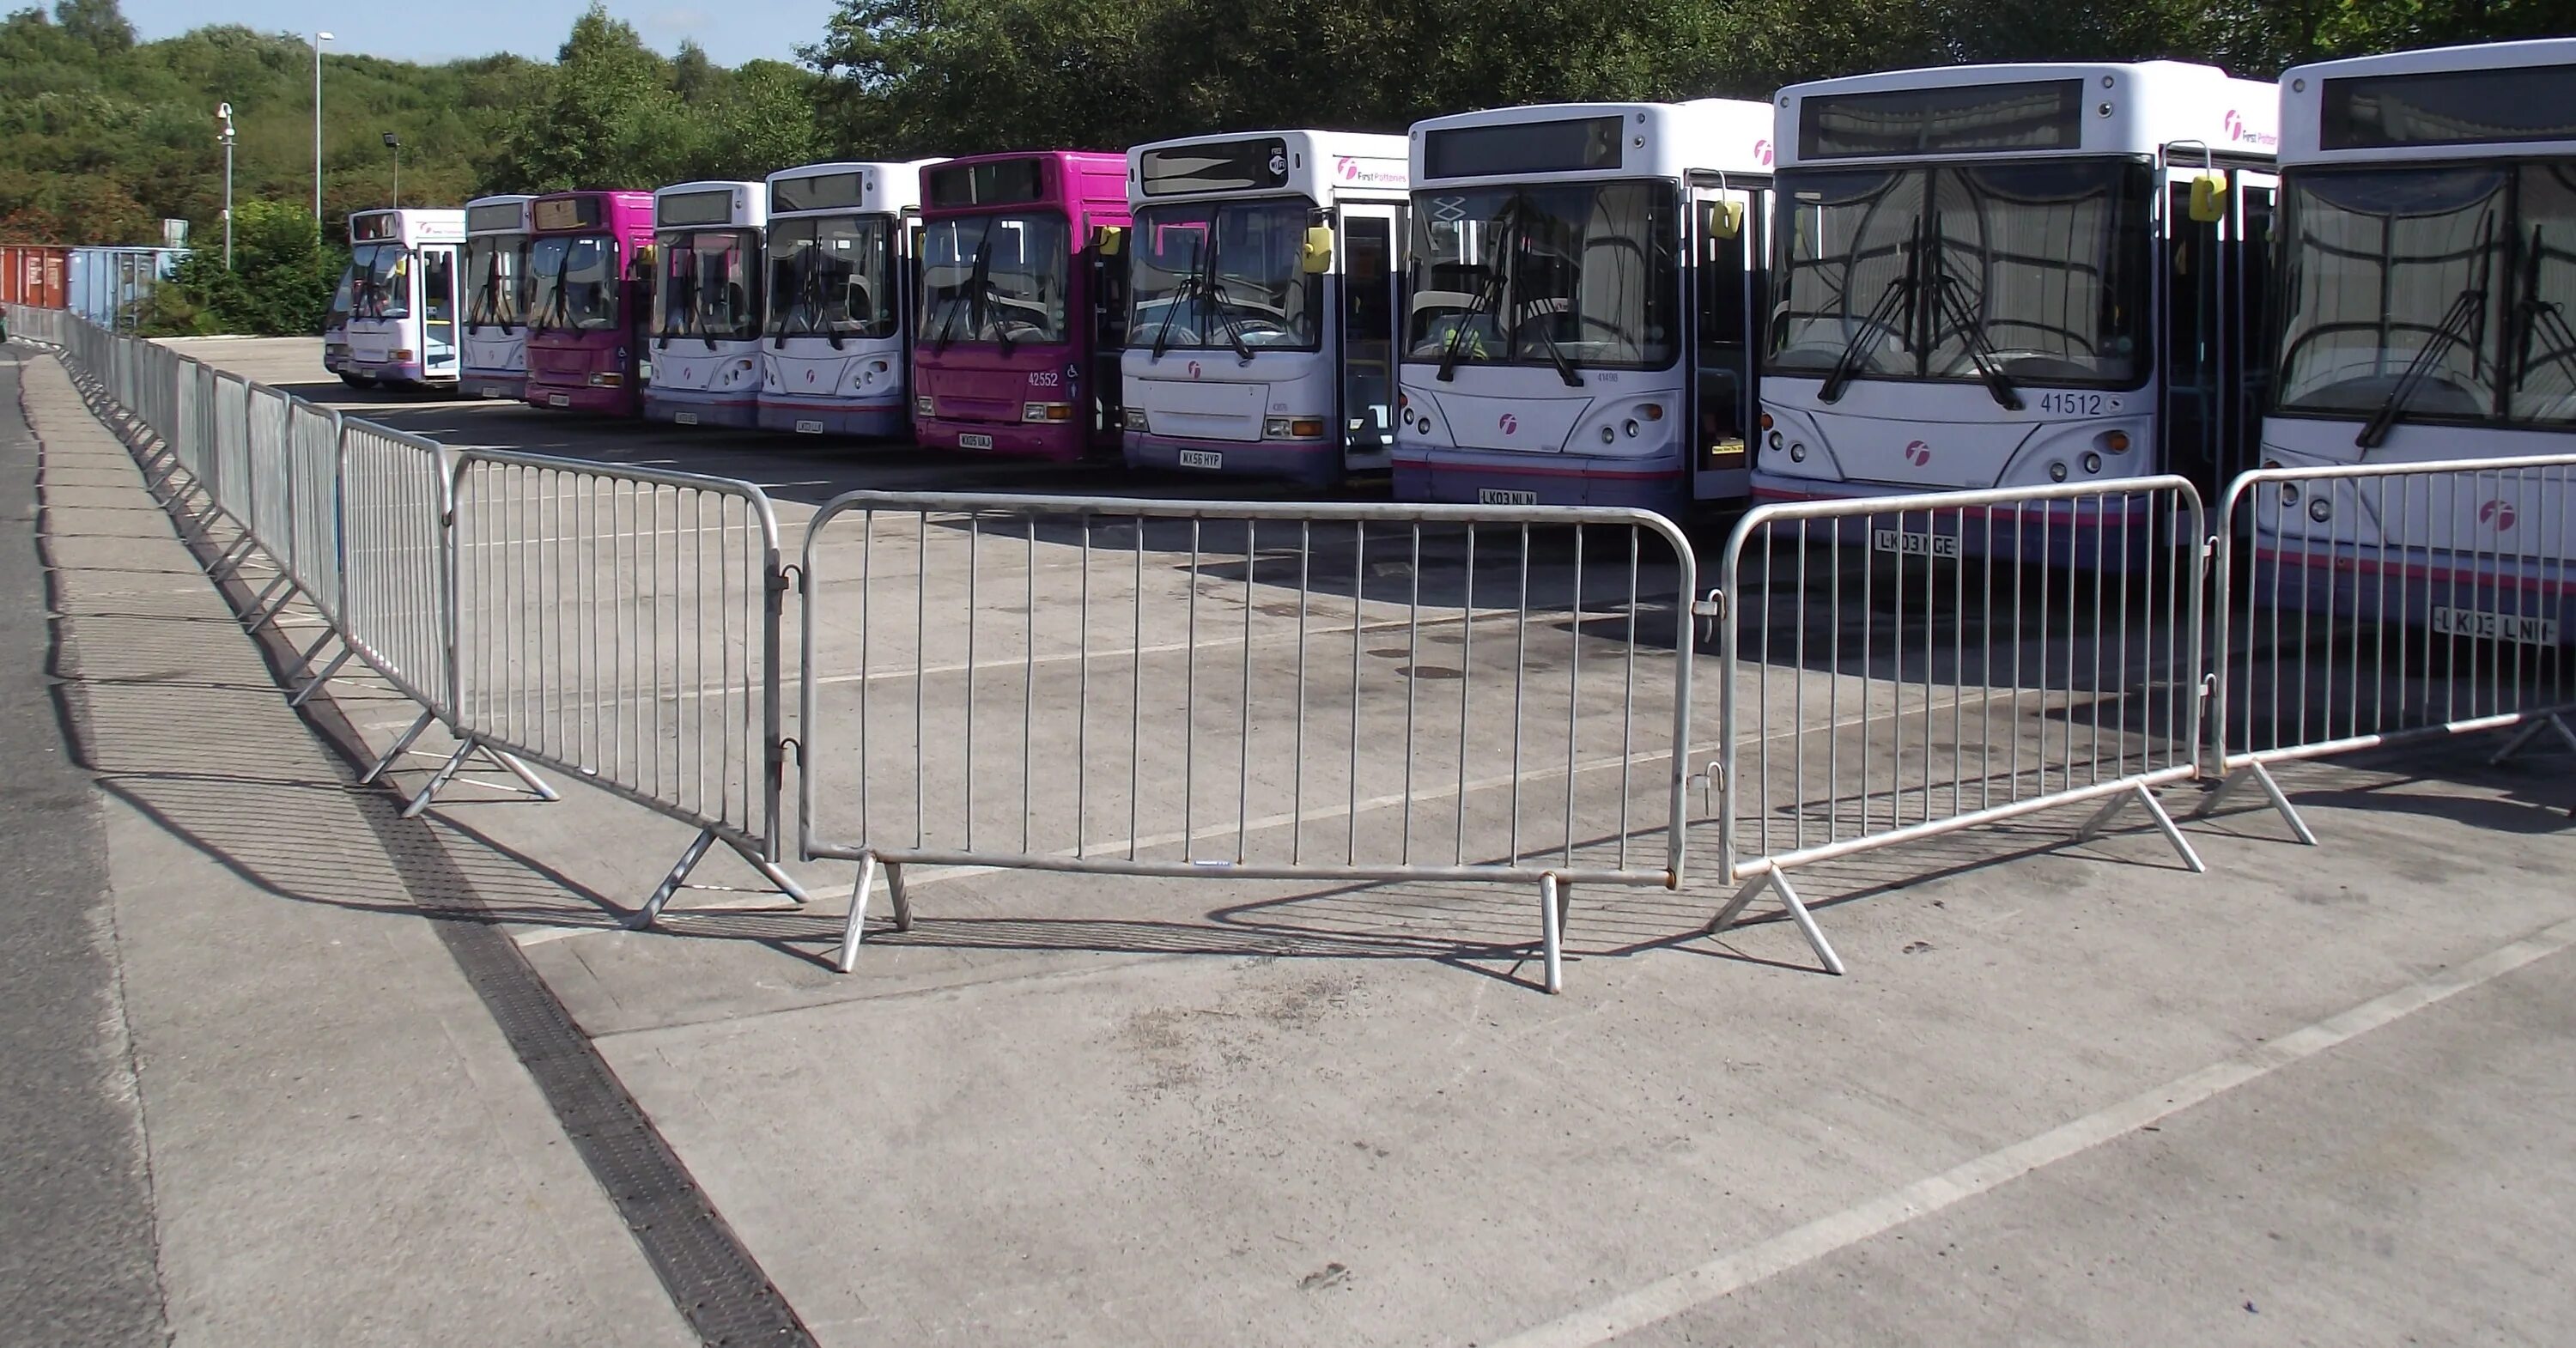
{"type": "Point", "coordinates": [1062, 442]}
{"type": "Point", "coordinates": [1489, 477]}
{"type": "Point", "coordinates": [1313, 463]}
{"type": "Point", "coordinates": [508, 385]}
{"type": "Point", "coordinates": [693, 407]}
{"type": "Point", "coordinates": [884, 421]}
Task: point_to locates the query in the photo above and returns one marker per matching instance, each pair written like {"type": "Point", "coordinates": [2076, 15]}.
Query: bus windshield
{"type": "Point", "coordinates": [380, 285]}
{"type": "Point", "coordinates": [1970, 273]}
{"type": "Point", "coordinates": [1224, 276]}
{"type": "Point", "coordinates": [1560, 274]}
{"type": "Point", "coordinates": [832, 276]}
{"type": "Point", "coordinates": [2430, 293]}
{"type": "Point", "coordinates": [493, 280]}
{"type": "Point", "coordinates": [572, 283]}
{"type": "Point", "coordinates": [710, 286]}
{"type": "Point", "coordinates": [995, 278]}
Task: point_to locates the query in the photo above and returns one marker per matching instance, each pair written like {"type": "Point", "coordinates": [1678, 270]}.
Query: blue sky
{"type": "Point", "coordinates": [732, 31]}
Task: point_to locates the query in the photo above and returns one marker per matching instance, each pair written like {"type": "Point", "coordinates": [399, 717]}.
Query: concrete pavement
{"type": "Point", "coordinates": [2068, 1094]}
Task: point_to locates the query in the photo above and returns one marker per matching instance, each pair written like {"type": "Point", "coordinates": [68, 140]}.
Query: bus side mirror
{"type": "Point", "coordinates": [2209, 198]}
{"type": "Point", "coordinates": [1316, 258]}
{"type": "Point", "coordinates": [1727, 220]}
{"type": "Point", "coordinates": [1109, 239]}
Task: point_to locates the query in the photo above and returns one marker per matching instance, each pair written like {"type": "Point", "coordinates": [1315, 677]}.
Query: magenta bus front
{"type": "Point", "coordinates": [1023, 304]}
{"type": "Point", "coordinates": [588, 297]}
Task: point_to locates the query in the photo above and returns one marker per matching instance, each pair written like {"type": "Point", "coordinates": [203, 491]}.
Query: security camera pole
{"type": "Point", "coordinates": [224, 115]}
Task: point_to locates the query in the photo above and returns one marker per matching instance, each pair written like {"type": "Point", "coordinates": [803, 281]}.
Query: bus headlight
{"type": "Point", "coordinates": [921, 406]}
{"type": "Point", "coordinates": [2092, 463]}
{"type": "Point", "coordinates": [1135, 418]}
{"type": "Point", "coordinates": [607, 379]}
{"type": "Point", "coordinates": [2319, 510]}
{"type": "Point", "coordinates": [1292, 428]}
{"type": "Point", "coordinates": [1046, 411]}
{"type": "Point", "coordinates": [1797, 452]}
{"type": "Point", "coordinates": [1608, 435]}
{"type": "Point", "coordinates": [2057, 470]}
{"type": "Point", "coordinates": [1631, 428]}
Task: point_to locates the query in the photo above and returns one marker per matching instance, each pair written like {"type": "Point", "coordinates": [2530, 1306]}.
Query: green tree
{"type": "Point", "coordinates": [279, 285]}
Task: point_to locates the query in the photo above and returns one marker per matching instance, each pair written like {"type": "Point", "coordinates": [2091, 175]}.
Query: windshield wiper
{"type": "Point", "coordinates": [1882, 314]}
{"type": "Point", "coordinates": [1188, 288]}
{"type": "Point", "coordinates": [1981, 349]}
{"type": "Point", "coordinates": [2536, 318]}
{"type": "Point", "coordinates": [975, 281]}
{"type": "Point", "coordinates": [1505, 222]}
{"type": "Point", "coordinates": [2463, 314]}
{"type": "Point", "coordinates": [1233, 330]}
{"type": "Point", "coordinates": [1556, 356]}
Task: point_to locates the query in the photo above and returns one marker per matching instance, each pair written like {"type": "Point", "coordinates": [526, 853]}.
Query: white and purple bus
{"type": "Point", "coordinates": [840, 251]}
{"type": "Point", "coordinates": [2427, 256]}
{"type": "Point", "coordinates": [1584, 280]}
{"type": "Point", "coordinates": [2016, 275]}
{"type": "Point", "coordinates": [1262, 303]}
{"type": "Point", "coordinates": [496, 292]}
{"type": "Point", "coordinates": [704, 344]}
{"type": "Point", "coordinates": [405, 297]}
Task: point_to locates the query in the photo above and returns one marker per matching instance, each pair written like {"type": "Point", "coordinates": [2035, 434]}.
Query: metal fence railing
{"type": "Point", "coordinates": [624, 625]}
{"type": "Point", "coordinates": [2371, 604]}
{"type": "Point", "coordinates": [1364, 692]}
{"type": "Point", "coordinates": [1900, 667]}
{"type": "Point", "coordinates": [27, 323]}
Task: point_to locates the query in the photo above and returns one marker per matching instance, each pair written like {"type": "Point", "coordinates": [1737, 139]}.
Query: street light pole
{"type": "Point", "coordinates": [318, 40]}
{"type": "Point", "coordinates": [224, 114]}
{"type": "Point", "coordinates": [395, 144]}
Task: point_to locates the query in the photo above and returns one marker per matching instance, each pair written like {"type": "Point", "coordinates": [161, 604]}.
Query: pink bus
{"type": "Point", "coordinates": [1023, 303]}
{"type": "Point", "coordinates": [589, 292]}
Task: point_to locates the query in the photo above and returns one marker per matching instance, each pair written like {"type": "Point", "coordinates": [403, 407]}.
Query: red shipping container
{"type": "Point", "coordinates": [33, 274]}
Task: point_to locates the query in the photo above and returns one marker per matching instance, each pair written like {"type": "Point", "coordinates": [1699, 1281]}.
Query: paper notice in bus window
{"type": "Point", "coordinates": [1914, 543]}
{"type": "Point", "coordinates": [2524, 629]}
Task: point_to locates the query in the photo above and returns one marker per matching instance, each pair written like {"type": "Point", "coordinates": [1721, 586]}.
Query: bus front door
{"type": "Point", "coordinates": [1726, 239]}
{"type": "Point", "coordinates": [438, 353]}
{"type": "Point", "coordinates": [1369, 308]}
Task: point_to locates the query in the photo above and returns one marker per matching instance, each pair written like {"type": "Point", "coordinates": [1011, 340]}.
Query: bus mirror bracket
{"type": "Point", "coordinates": [1727, 221]}
{"type": "Point", "coordinates": [1317, 256]}
{"type": "Point", "coordinates": [1110, 239]}
{"type": "Point", "coordinates": [2209, 198]}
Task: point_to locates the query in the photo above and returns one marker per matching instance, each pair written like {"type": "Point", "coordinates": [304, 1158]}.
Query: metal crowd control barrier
{"type": "Point", "coordinates": [623, 625]}
{"type": "Point", "coordinates": [2372, 604]}
{"type": "Point", "coordinates": [27, 323]}
{"type": "Point", "coordinates": [1290, 691]}
{"type": "Point", "coordinates": [1901, 667]}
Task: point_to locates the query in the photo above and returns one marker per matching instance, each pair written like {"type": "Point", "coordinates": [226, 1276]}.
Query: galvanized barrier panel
{"type": "Point", "coordinates": [2370, 604]}
{"type": "Point", "coordinates": [1900, 667]}
{"type": "Point", "coordinates": [269, 485]}
{"type": "Point", "coordinates": [623, 624]}
{"type": "Point", "coordinates": [395, 612]}
{"type": "Point", "coordinates": [1289, 691]}
{"type": "Point", "coordinates": [230, 487]}
{"type": "Point", "coordinates": [313, 506]}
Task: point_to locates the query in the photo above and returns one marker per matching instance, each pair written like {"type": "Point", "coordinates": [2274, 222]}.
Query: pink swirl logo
{"type": "Point", "coordinates": [1762, 153]}
{"type": "Point", "coordinates": [1194, 369]}
{"type": "Point", "coordinates": [1511, 424]}
{"type": "Point", "coordinates": [2235, 123]}
{"type": "Point", "coordinates": [2498, 514]}
{"type": "Point", "coordinates": [1347, 169]}
{"type": "Point", "coordinates": [1917, 453]}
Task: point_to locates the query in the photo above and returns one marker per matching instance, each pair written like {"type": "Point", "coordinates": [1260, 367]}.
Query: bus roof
{"type": "Point", "coordinates": [408, 225]}
{"type": "Point", "coordinates": [743, 205]}
{"type": "Point", "coordinates": [504, 214]}
{"type": "Point", "coordinates": [1319, 166]}
{"type": "Point", "coordinates": [990, 182]}
{"type": "Point", "coordinates": [868, 186]}
{"type": "Point", "coordinates": [1592, 140]}
{"type": "Point", "coordinates": [2494, 99]}
{"type": "Point", "coordinates": [629, 212]}
{"type": "Point", "coordinates": [2036, 108]}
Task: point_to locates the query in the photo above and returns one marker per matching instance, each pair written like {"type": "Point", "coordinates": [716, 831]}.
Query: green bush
{"type": "Point", "coordinates": [279, 285]}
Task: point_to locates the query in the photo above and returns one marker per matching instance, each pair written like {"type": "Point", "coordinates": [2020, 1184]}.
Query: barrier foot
{"type": "Point", "coordinates": [2522, 738]}
{"type": "Point", "coordinates": [510, 763]}
{"type": "Point", "coordinates": [854, 930]}
{"type": "Point", "coordinates": [1778, 883]}
{"type": "Point", "coordinates": [228, 558]}
{"type": "Point", "coordinates": [2260, 776]}
{"type": "Point", "coordinates": [895, 894]}
{"type": "Point", "coordinates": [671, 883]}
{"type": "Point", "coordinates": [2138, 794]}
{"type": "Point", "coordinates": [438, 779]}
{"type": "Point", "coordinates": [401, 746]}
{"type": "Point", "coordinates": [1551, 930]}
{"type": "Point", "coordinates": [261, 611]}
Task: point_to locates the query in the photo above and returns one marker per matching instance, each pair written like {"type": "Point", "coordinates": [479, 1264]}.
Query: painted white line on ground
{"type": "Point", "coordinates": [1721, 1277]}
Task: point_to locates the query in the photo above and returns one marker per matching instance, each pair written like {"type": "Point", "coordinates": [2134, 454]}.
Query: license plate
{"type": "Point", "coordinates": [685, 418]}
{"type": "Point", "coordinates": [809, 428]}
{"type": "Point", "coordinates": [558, 400]}
{"type": "Point", "coordinates": [1505, 496]}
{"type": "Point", "coordinates": [1914, 543]}
{"type": "Point", "coordinates": [1202, 458]}
{"type": "Point", "coordinates": [971, 440]}
{"type": "Point", "coordinates": [489, 392]}
{"type": "Point", "coordinates": [2520, 628]}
